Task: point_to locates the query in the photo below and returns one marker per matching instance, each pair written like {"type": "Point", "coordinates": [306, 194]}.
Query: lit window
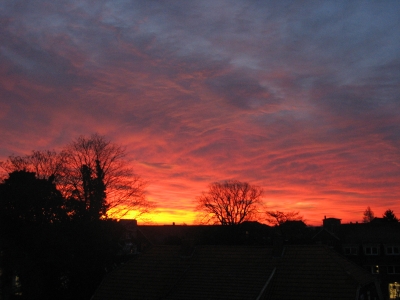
{"type": "Point", "coordinates": [16, 284]}
{"type": "Point", "coordinates": [394, 290]}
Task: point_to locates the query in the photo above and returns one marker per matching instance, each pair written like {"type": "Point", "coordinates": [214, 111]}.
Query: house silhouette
{"type": "Point", "coordinates": [239, 272]}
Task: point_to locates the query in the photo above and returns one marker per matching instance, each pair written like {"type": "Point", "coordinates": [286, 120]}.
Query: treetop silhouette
{"type": "Point", "coordinates": [92, 173]}
{"type": "Point", "coordinates": [229, 203]}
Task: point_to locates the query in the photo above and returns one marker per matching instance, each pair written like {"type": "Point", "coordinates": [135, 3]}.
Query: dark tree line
{"type": "Point", "coordinates": [388, 216]}
{"type": "Point", "coordinates": [46, 251]}
{"type": "Point", "coordinates": [56, 240]}
{"type": "Point", "coordinates": [25, 198]}
{"type": "Point", "coordinates": [92, 174]}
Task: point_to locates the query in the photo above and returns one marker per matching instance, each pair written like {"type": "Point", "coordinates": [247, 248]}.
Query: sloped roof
{"type": "Point", "coordinates": [316, 272]}
{"type": "Point", "coordinates": [235, 272]}
{"type": "Point", "coordinates": [149, 276]}
{"type": "Point", "coordinates": [324, 233]}
{"type": "Point", "coordinates": [225, 272]}
{"type": "Point", "coordinates": [210, 272]}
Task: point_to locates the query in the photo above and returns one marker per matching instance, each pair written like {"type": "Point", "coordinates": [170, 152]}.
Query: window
{"type": "Point", "coordinates": [394, 290]}
{"type": "Point", "coordinates": [371, 250]}
{"type": "Point", "coordinates": [393, 269]}
{"type": "Point", "coordinates": [350, 250]}
{"type": "Point", "coordinates": [392, 250]}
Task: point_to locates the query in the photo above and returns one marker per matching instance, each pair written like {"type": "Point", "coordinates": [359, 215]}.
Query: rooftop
{"type": "Point", "coordinates": [235, 272]}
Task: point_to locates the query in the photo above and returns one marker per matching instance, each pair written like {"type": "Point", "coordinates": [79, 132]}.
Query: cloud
{"type": "Point", "coordinates": [157, 165]}
{"type": "Point", "coordinates": [299, 98]}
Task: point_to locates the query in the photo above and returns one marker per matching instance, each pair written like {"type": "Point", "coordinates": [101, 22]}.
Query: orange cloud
{"type": "Point", "coordinates": [309, 113]}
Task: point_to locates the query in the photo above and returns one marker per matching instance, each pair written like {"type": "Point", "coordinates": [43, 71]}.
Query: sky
{"type": "Point", "coordinates": [301, 98]}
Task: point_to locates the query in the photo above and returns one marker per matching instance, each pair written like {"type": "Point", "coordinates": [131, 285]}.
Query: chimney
{"type": "Point", "coordinates": [331, 224]}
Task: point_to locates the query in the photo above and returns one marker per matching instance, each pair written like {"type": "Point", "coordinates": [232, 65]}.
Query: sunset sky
{"type": "Point", "coordinates": [300, 98]}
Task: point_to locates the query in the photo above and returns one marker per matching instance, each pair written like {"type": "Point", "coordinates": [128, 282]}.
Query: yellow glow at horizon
{"type": "Point", "coordinates": [160, 217]}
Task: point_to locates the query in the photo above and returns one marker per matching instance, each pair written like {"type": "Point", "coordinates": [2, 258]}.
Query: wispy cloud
{"type": "Point", "coordinates": [299, 98]}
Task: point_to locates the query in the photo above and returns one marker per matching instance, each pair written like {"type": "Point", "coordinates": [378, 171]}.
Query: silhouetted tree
{"type": "Point", "coordinates": [99, 205]}
{"type": "Point", "coordinates": [279, 217]}
{"type": "Point", "coordinates": [368, 215]}
{"type": "Point", "coordinates": [52, 256]}
{"type": "Point", "coordinates": [389, 216]}
{"type": "Point", "coordinates": [229, 203]}
{"type": "Point", "coordinates": [96, 155]}
{"type": "Point", "coordinates": [44, 164]}
{"type": "Point", "coordinates": [23, 197]}
{"type": "Point", "coordinates": [92, 163]}
{"type": "Point", "coordinates": [94, 193]}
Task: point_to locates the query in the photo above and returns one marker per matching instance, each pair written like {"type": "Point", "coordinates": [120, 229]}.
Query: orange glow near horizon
{"type": "Point", "coordinates": [198, 97]}
{"type": "Point", "coordinates": [313, 210]}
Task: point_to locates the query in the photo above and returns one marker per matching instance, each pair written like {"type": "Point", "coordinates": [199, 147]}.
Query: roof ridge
{"type": "Point", "coordinates": [170, 291]}
{"type": "Point", "coordinates": [343, 262]}
{"type": "Point", "coordinates": [266, 284]}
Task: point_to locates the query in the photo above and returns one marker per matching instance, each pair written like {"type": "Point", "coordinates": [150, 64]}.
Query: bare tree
{"type": "Point", "coordinates": [229, 203]}
{"type": "Point", "coordinates": [16, 163]}
{"type": "Point", "coordinates": [368, 215]}
{"type": "Point", "coordinates": [279, 217]}
{"type": "Point", "coordinates": [124, 189]}
{"type": "Point", "coordinates": [43, 163]}
{"type": "Point", "coordinates": [77, 170]}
